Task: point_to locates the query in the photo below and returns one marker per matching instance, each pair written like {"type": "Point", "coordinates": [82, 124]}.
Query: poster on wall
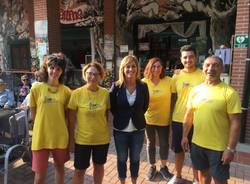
{"type": "Point", "coordinates": [123, 48]}
{"type": "Point", "coordinates": [41, 49]}
{"type": "Point", "coordinates": [41, 40]}
{"type": "Point", "coordinates": [41, 29]}
{"type": "Point", "coordinates": [144, 46]}
{"type": "Point", "coordinates": [109, 47]}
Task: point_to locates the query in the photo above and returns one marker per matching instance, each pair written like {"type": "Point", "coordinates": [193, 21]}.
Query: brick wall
{"type": "Point", "coordinates": [29, 7]}
{"type": "Point", "coordinates": [240, 55]}
{"type": "Point", "coordinates": [54, 33]}
{"type": "Point", "coordinates": [109, 13]}
{"type": "Point", "coordinates": [247, 129]}
{"type": "Point", "coordinates": [49, 10]}
{"type": "Point", "coordinates": [40, 10]}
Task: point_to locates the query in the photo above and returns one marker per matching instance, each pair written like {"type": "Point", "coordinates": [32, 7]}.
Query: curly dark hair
{"type": "Point", "coordinates": [55, 59]}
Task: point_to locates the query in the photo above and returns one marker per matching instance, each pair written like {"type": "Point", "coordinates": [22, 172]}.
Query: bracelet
{"type": "Point", "coordinates": [231, 150]}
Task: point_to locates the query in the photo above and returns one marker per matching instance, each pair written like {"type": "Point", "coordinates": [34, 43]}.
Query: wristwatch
{"type": "Point", "coordinates": [231, 150]}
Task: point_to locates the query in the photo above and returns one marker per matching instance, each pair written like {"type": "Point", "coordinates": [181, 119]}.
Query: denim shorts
{"type": "Point", "coordinates": [83, 153]}
{"type": "Point", "coordinates": [177, 129]}
{"type": "Point", "coordinates": [203, 158]}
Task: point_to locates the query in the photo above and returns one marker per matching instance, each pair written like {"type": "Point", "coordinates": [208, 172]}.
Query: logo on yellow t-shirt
{"type": "Point", "coordinates": [93, 106]}
{"type": "Point", "coordinates": [186, 84]}
{"type": "Point", "coordinates": [155, 91]}
{"type": "Point", "coordinates": [49, 100]}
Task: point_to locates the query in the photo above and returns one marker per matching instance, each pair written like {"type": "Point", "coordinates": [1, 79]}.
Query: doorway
{"type": "Point", "coordinates": [76, 44]}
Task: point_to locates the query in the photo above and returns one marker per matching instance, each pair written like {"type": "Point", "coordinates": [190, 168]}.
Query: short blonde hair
{"type": "Point", "coordinates": [128, 59]}
{"type": "Point", "coordinates": [96, 65]}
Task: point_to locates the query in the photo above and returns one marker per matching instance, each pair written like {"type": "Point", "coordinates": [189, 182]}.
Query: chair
{"type": "Point", "coordinates": [15, 144]}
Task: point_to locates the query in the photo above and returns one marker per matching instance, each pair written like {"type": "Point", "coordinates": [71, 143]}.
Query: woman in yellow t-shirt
{"type": "Point", "coordinates": [157, 115]}
{"type": "Point", "coordinates": [90, 137]}
{"type": "Point", "coordinates": [48, 105]}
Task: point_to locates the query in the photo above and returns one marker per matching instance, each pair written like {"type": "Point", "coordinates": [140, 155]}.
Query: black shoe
{"type": "Point", "coordinates": [165, 173]}
{"type": "Point", "coordinates": [152, 172]}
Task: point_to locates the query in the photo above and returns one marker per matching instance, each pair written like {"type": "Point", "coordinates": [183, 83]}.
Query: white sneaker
{"type": "Point", "coordinates": [176, 180]}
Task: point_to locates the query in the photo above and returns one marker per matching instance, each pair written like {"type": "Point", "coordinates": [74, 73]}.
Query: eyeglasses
{"type": "Point", "coordinates": [25, 80]}
{"type": "Point", "coordinates": [93, 74]}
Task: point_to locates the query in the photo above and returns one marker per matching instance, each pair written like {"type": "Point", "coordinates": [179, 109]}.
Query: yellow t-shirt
{"type": "Point", "coordinates": [92, 126]}
{"type": "Point", "coordinates": [211, 105]}
{"type": "Point", "coordinates": [182, 84]}
{"type": "Point", "coordinates": [159, 102]}
{"type": "Point", "coordinates": [50, 128]}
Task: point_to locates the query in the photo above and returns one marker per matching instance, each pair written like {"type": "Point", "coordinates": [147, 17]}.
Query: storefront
{"type": "Point", "coordinates": [76, 19]}
{"type": "Point", "coordinates": [165, 39]}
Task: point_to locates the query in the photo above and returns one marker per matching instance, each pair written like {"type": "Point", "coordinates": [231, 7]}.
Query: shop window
{"type": "Point", "coordinates": [20, 55]}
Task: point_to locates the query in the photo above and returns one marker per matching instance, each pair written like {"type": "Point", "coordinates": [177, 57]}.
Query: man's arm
{"type": "Point", "coordinates": [234, 134]}
{"type": "Point", "coordinates": [11, 100]}
{"type": "Point", "coordinates": [187, 124]}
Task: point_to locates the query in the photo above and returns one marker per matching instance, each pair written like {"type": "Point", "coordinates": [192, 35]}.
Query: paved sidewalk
{"type": "Point", "coordinates": [21, 173]}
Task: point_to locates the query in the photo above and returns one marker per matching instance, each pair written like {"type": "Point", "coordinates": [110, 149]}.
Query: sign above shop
{"type": "Point", "coordinates": [241, 41]}
{"type": "Point", "coordinates": [80, 14]}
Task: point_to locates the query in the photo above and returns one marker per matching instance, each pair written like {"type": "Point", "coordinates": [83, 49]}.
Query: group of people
{"type": "Point", "coordinates": [191, 102]}
{"type": "Point", "coordinates": [7, 97]}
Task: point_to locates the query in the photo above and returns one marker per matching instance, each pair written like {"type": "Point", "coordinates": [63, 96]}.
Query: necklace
{"type": "Point", "coordinates": [53, 89]}
{"type": "Point", "coordinates": [92, 96]}
{"type": "Point", "coordinates": [131, 88]}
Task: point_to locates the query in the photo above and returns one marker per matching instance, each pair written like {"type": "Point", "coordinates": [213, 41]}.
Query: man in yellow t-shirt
{"type": "Point", "coordinates": [182, 83]}
{"type": "Point", "coordinates": [214, 110]}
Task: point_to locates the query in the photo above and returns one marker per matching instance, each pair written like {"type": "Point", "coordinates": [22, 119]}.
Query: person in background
{"type": "Point", "coordinates": [157, 116]}
{"type": "Point", "coordinates": [213, 109]}
{"type": "Point", "coordinates": [48, 105]}
{"type": "Point", "coordinates": [89, 129]}
{"type": "Point", "coordinates": [24, 90]}
{"type": "Point", "coordinates": [182, 82]}
{"type": "Point", "coordinates": [129, 98]}
{"type": "Point", "coordinates": [26, 102]}
{"type": "Point", "coordinates": [37, 77]}
{"type": "Point", "coordinates": [6, 96]}
{"type": "Point", "coordinates": [2, 73]}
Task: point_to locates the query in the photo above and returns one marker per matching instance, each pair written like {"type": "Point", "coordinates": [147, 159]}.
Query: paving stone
{"type": "Point", "coordinates": [21, 173]}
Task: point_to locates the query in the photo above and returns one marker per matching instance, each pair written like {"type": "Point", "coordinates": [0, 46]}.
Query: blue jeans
{"type": "Point", "coordinates": [128, 143]}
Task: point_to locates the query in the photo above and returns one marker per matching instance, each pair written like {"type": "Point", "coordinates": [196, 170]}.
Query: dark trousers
{"type": "Point", "coordinates": [128, 144]}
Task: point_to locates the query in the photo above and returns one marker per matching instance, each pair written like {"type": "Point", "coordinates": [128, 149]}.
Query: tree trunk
{"type": "Point", "coordinates": [221, 31]}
